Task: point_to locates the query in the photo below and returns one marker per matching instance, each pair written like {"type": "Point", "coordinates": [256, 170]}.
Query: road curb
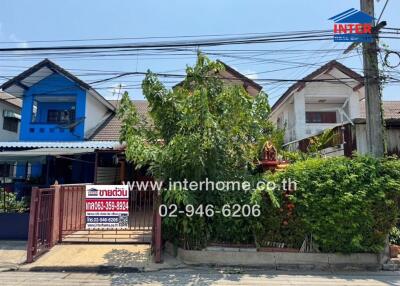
{"type": "Point", "coordinates": [103, 269]}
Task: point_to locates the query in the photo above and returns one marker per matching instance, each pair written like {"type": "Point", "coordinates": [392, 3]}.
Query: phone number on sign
{"type": "Point", "coordinates": [227, 210]}
{"type": "Point", "coordinates": [107, 205]}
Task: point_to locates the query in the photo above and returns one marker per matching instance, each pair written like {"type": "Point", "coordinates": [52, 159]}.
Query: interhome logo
{"type": "Point", "coordinates": [352, 26]}
{"type": "Point", "coordinates": [92, 193]}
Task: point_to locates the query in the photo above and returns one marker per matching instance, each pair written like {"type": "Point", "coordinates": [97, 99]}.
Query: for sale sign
{"type": "Point", "coordinates": [107, 206]}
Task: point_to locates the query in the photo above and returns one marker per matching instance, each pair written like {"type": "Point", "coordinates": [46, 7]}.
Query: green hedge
{"type": "Point", "coordinates": [347, 205]}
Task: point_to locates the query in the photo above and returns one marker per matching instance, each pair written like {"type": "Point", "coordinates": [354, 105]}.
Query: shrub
{"type": "Point", "coordinates": [348, 205]}
{"type": "Point", "coordinates": [394, 236]}
{"type": "Point", "coordinates": [9, 203]}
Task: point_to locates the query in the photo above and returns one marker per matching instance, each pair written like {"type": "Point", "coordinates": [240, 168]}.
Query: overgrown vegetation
{"type": "Point", "coordinates": [348, 205]}
{"type": "Point", "coordinates": [394, 235]}
{"type": "Point", "coordinates": [9, 203]}
{"type": "Point", "coordinates": [204, 129]}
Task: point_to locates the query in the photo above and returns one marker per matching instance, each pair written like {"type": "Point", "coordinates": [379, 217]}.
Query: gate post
{"type": "Point", "coordinates": [156, 233]}
{"type": "Point", "coordinates": [158, 239]}
{"type": "Point", "coordinates": [31, 245]}
{"type": "Point", "coordinates": [61, 214]}
{"type": "Point", "coordinates": [56, 214]}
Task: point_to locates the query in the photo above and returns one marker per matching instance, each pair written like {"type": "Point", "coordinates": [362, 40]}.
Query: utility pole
{"type": "Point", "coordinates": [373, 100]}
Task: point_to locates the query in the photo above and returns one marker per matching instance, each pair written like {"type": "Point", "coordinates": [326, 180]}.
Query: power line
{"type": "Point", "coordinates": [383, 10]}
{"type": "Point", "coordinates": [156, 37]}
{"type": "Point", "coordinates": [306, 36]}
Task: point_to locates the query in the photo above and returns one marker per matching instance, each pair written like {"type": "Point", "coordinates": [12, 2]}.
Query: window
{"type": "Point", "coordinates": [60, 116]}
{"type": "Point", "coordinates": [10, 124]}
{"type": "Point", "coordinates": [5, 170]}
{"type": "Point", "coordinates": [320, 117]}
{"type": "Point", "coordinates": [34, 110]}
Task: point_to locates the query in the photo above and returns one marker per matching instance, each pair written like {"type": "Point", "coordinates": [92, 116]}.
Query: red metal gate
{"type": "Point", "coordinates": [58, 215]}
{"type": "Point", "coordinates": [73, 220]}
{"type": "Point", "coordinates": [40, 237]}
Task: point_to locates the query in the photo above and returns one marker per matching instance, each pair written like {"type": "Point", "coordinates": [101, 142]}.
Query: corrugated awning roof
{"type": "Point", "coordinates": [63, 145]}
{"type": "Point", "coordinates": [46, 152]}
{"type": "Point", "coordinates": [39, 155]}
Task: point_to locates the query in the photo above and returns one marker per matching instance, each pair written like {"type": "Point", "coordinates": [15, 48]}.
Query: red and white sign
{"type": "Point", "coordinates": [107, 206]}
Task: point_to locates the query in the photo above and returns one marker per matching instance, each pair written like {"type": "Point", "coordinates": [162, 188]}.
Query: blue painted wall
{"type": "Point", "coordinates": [53, 85]}
{"type": "Point", "coordinates": [36, 170]}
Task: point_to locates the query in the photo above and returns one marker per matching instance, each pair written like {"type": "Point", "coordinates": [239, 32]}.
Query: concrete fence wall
{"type": "Point", "coordinates": [280, 260]}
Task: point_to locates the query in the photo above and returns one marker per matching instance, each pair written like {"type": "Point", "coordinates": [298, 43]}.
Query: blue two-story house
{"type": "Point", "coordinates": [57, 106]}
{"type": "Point", "coordinates": [60, 114]}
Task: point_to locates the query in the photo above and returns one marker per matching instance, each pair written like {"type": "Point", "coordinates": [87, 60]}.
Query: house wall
{"type": "Point", "coordinates": [392, 139]}
{"type": "Point", "coordinates": [293, 109]}
{"type": "Point", "coordinates": [6, 135]}
{"type": "Point", "coordinates": [288, 120]}
{"type": "Point", "coordinates": [53, 85]}
{"type": "Point", "coordinates": [95, 112]}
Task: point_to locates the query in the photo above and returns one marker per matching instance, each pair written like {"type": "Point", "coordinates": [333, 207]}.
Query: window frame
{"type": "Point", "coordinates": [10, 124]}
{"type": "Point", "coordinates": [325, 117]}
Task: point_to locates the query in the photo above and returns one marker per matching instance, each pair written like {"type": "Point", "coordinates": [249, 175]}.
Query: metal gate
{"type": "Point", "coordinates": [73, 220]}
{"type": "Point", "coordinates": [40, 237]}
{"type": "Point", "coordinates": [57, 214]}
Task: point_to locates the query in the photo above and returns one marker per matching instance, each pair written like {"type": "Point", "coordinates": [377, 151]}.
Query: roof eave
{"type": "Point", "coordinates": [330, 65]}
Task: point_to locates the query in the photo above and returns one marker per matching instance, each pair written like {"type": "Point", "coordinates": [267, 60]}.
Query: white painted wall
{"type": "Point", "coordinates": [95, 113]}
{"type": "Point", "coordinates": [294, 108]}
{"type": "Point", "coordinates": [6, 135]}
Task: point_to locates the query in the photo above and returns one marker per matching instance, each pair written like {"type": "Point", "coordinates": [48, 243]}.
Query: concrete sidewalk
{"type": "Point", "coordinates": [12, 254]}
{"type": "Point", "coordinates": [99, 258]}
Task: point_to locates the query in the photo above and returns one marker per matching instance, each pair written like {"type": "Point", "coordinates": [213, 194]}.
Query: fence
{"type": "Point", "coordinates": [72, 209]}
{"type": "Point", "coordinates": [40, 236]}
{"type": "Point", "coordinates": [59, 212]}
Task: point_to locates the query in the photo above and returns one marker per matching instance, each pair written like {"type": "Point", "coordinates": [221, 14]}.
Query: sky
{"type": "Point", "coordinates": [24, 21]}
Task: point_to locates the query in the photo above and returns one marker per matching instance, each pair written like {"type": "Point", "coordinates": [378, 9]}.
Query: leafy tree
{"type": "Point", "coordinates": [201, 129]}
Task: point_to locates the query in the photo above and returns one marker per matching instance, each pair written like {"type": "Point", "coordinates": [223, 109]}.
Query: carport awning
{"type": "Point", "coordinates": [100, 145]}
{"type": "Point", "coordinates": [39, 155]}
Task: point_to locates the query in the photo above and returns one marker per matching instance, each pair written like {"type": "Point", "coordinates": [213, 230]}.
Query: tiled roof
{"type": "Point", "coordinates": [235, 76]}
{"type": "Point", "coordinates": [110, 129]}
{"type": "Point", "coordinates": [8, 98]}
{"type": "Point", "coordinates": [391, 109]}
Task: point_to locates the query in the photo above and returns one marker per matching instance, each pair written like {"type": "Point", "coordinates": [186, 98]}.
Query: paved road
{"type": "Point", "coordinates": [198, 277]}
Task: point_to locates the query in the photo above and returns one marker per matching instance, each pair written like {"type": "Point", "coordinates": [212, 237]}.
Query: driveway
{"type": "Point", "coordinates": [12, 254]}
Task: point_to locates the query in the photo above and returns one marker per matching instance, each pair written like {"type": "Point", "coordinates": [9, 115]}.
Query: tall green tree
{"type": "Point", "coordinates": [200, 129]}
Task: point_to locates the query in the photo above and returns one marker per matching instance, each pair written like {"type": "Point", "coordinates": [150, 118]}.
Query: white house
{"type": "Point", "coordinates": [10, 117]}
{"type": "Point", "coordinates": [307, 108]}
{"type": "Point", "coordinates": [331, 96]}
